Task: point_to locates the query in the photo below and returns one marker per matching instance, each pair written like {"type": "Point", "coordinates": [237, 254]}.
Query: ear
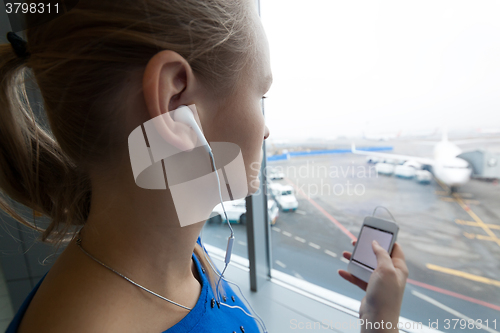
{"type": "Point", "coordinates": [168, 83]}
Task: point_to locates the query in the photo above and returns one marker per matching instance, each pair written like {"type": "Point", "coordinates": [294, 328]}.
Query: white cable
{"type": "Point", "coordinates": [258, 318]}
{"type": "Point", "coordinates": [227, 259]}
{"type": "Point", "coordinates": [386, 210]}
{"type": "Point", "coordinates": [229, 248]}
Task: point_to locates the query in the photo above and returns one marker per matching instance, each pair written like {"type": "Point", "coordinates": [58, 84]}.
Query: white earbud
{"type": "Point", "coordinates": [183, 114]}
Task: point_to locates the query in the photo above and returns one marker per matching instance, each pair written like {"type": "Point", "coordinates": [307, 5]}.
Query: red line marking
{"type": "Point", "coordinates": [416, 283]}
{"type": "Point", "coordinates": [328, 216]}
{"type": "Point", "coordinates": [454, 294]}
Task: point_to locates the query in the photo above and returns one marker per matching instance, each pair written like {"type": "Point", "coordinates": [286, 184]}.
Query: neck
{"type": "Point", "coordinates": [137, 233]}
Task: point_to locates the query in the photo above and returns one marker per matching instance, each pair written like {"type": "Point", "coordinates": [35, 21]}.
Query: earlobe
{"type": "Point", "coordinates": [165, 83]}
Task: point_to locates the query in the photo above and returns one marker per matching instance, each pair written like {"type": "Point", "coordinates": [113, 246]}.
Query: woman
{"type": "Point", "coordinates": [103, 69]}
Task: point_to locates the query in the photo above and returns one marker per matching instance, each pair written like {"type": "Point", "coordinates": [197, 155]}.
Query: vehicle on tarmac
{"type": "Point", "coordinates": [284, 196]}
{"type": "Point", "coordinates": [423, 176]}
{"type": "Point", "coordinates": [384, 168]}
{"type": "Point", "coordinates": [404, 171]}
{"type": "Point", "coordinates": [275, 175]}
{"type": "Point", "coordinates": [236, 212]}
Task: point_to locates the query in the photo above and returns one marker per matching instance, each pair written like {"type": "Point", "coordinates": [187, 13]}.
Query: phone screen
{"type": "Point", "coordinates": [364, 253]}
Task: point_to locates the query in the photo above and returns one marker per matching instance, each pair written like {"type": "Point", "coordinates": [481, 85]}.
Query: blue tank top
{"type": "Point", "coordinates": [206, 316]}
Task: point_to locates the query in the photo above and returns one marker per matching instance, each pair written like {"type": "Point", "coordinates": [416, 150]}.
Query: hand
{"type": "Point", "coordinates": [384, 290]}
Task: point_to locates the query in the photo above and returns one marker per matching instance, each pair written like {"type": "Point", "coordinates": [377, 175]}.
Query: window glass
{"type": "Point", "coordinates": [413, 89]}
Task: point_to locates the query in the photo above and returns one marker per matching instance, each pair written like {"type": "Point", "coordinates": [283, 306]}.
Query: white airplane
{"type": "Point", "coordinates": [446, 166]}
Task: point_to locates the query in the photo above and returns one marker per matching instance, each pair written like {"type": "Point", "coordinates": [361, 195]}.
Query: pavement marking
{"type": "Point", "coordinates": [448, 309]}
{"type": "Point", "coordinates": [453, 294]}
{"type": "Point", "coordinates": [483, 237]}
{"type": "Point", "coordinates": [474, 224]}
{"type": "Point", "coordinates": [446, 192]}
{"type": "Point", "coordinates": [298, 276]}
{"type": "Point", "coordinates": [469, 235]}
{"type": "Point", "coordinates": [242, 243]}
{"type": "Point", "coordinates": [476, 218]}
{"type": "Point", "coordinates": [300, 239]}
{"type": "Point", "coordinates": [333, 254]}
{"type": "Point", "coordinates": [469, 211]}
{"type": "Point", "coordinates": [280, 263]}
{"type": "Point", "coordinates": [344, 260]}
{"type": "Point", "coordinates": [316, 246]}
{"type": "Point", "coordinates": [301, 212]}
{"type": "Point", "coordinates": [328, 216]}
{"type": "Point", "coordinates": [276, 229]}
{"type": "Point", "coordinates": [477, 236]}
{"type": "Point", "coordinates": [286, 233]}
{"type": "Point", "coordinates": [464, 275]}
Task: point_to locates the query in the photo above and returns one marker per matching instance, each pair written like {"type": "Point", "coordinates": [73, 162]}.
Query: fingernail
{"type": "Point", "coordinates": [375, 242]}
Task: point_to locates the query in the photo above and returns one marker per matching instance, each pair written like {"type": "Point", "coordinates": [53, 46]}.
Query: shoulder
{"type": "Point", "coordinates": [74, 297]}
{"type": "Point", "coordinates": [64, 303]}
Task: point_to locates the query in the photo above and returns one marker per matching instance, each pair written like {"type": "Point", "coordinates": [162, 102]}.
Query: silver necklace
{"type": "Point", "coordinates": [79, 243]}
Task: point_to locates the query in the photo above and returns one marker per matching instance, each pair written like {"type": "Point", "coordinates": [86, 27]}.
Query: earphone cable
{"type": "Point", "coordinates": [256, 317]}
{"type": "Point", "coordinates": [231, 237]}
{"type": "Point", "coordinates": [387, 210]}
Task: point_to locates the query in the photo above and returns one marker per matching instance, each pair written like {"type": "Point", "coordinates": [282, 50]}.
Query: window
{"type": "Point", "coordinates": [389, 103]}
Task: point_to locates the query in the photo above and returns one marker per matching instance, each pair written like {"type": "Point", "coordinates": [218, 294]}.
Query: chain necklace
{"type": "Point", "coordinates": [79, 243]}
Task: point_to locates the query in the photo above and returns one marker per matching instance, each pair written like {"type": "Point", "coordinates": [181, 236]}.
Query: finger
{"type": "Point", "coordinates": [383, 258]}
{"type": "Point", "coordinates": [353, 242]}
{"type": "Point", "coordinates": [354, 280]}
{"type": "Point", "coordinates": [397, 252]}
{"type": "Point", "coordinates": [398, 258]}
{"type": "Point", "coordinates": [346, 255]}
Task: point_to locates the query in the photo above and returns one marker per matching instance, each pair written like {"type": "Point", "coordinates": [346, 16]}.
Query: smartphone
{"type": "Point", "coordinates": [363, 261]}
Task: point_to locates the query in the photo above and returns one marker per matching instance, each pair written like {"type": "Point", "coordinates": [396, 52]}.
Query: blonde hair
{"type": "Point", "coordinates": [80, 62]}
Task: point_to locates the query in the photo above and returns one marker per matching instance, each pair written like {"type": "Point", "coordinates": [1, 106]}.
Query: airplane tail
{"type": "Point", "coordinates": [444, 136]}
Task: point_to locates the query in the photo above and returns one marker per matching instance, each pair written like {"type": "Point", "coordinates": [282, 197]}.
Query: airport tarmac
{"type": "Point", "coordinates": [451, 241]}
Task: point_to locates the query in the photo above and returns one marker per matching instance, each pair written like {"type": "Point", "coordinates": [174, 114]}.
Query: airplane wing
{"type": "Point", "coordinates": [458, 142]}
{"type": "Point", "coordinates": [475, 140]}
{"type": "Point", "coordinates": [422, 160]}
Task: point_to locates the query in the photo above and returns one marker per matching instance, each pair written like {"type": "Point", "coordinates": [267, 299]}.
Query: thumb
{"type": "Point", "coordinates": [383, 258]}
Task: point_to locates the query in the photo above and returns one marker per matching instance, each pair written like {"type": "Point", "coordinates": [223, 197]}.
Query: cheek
{"type": "Point", "coordinates": [245, 127]}
{"type": "Point", "coordinates": [252, 150]}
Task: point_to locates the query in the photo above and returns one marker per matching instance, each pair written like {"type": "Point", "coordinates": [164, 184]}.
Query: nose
{"type": "Point", "coordinates": [266, 133]}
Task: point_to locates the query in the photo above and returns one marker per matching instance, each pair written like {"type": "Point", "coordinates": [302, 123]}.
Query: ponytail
{"type": "Point", "coordinates": [34, 171]}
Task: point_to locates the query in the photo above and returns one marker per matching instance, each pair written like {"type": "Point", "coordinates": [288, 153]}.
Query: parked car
{"type": "Point", "coordinates": [423, 176]}
{"type": "Point", "coordinates": [275, 175]}
{"type": "Point", "coordinates": [236, 212]}
{"type": "Point", "coordinates": [404, 171]}
{"type": "Point", "coordinates": [384, 168]}
{"type": "Point", "coordinates": [285, 197]}
{"type": "Point", "coordinates": [235, 209]}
